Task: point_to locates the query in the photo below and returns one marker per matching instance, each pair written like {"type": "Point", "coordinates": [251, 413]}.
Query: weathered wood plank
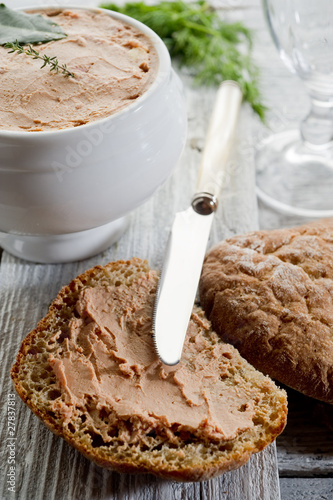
{"type": "Point", "coordinates": [305, 449]}
{"type": "Point", "coordinates": [306, 489]}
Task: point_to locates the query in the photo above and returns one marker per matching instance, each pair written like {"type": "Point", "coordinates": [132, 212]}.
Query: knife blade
{"type": "Point", "coordinates": [187, 243]}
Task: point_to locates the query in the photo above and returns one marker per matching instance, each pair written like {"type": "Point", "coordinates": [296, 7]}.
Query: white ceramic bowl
{"type": "Point", "coordinates": [65, 194]}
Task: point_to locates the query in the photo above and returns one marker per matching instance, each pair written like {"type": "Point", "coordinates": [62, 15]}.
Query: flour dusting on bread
{"type": "Point", "coordinates": [270, 293]}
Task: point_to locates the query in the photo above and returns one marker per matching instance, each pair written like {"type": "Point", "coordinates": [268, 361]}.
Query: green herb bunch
{"type": "Point", "coordinates": [47, 61]}
{"type": "Point", "coordinates": [196, 35]}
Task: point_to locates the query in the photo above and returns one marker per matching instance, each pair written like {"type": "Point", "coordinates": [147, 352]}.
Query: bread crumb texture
{"type": "Point", "coordinates": [90, 372]}
{"type": "Point", "coordinates": [270, 294]}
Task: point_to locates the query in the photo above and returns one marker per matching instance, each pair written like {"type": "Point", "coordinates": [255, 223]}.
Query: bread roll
{"type": "Point", "coordinates": [270, 294]}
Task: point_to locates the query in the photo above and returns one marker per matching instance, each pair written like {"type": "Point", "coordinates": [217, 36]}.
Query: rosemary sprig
{"type": "Point", "coordinates": [47, 61]}
{"type": "Point", "coordinates": [201, 40]}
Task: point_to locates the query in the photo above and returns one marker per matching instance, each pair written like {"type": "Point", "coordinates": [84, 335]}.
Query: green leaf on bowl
{"type": "Point", "coordinates": [17, 26]}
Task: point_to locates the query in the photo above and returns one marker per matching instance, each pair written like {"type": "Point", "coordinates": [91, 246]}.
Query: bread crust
{"type": "Point", "coordinates": [270, 294]}
{"type": "Point", "coordinates": [60, 311]}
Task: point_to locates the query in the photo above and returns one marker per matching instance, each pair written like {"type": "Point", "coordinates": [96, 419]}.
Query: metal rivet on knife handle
{"type": "Point", "coordinates": [204, 203]}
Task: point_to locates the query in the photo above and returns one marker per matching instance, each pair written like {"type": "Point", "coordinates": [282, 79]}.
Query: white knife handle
{"type": "Point", "coordinates": [219, 139]}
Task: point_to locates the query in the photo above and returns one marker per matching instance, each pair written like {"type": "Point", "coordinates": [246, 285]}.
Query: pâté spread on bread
{"type": "Point", "coordinates": [90, 371]}
{"type": "Point", "coordinates": [109, 355]}
{"type": "Point", "coordinates": [113, 62]}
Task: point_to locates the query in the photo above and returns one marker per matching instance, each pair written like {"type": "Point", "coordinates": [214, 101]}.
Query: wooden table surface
{"type": "Point", "coordinates": [300, 464]}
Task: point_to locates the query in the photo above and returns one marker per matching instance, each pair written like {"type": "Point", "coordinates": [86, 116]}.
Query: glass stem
{"type": "Point", "coordinates": [317, 127]}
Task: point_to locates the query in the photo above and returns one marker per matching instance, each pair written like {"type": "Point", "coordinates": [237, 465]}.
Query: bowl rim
{"type": "Point", "coordinates": [163, 72]}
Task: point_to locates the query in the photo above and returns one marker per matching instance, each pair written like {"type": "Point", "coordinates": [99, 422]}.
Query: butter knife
{"type": "Point", "coordinates": [190, 231]}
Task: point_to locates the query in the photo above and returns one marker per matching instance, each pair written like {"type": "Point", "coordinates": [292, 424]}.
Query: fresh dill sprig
{"type": "Point", "coordinates": [200, 39]}
{"type": "Point", "coordinates": [47, 61]}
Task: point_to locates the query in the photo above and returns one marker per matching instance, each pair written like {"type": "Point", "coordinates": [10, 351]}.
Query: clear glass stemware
{"type": "Point", "coordinates": [295, 168]}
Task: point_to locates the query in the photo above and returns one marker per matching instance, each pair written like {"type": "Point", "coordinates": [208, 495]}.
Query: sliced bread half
{"type": "Point", "coordinates": [90, 372]}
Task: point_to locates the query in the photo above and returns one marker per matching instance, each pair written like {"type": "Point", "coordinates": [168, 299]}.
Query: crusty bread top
{"type": "Point", "coordinates": [90, 371]}
{"type": "Point", "coordinates": [270, 293]}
